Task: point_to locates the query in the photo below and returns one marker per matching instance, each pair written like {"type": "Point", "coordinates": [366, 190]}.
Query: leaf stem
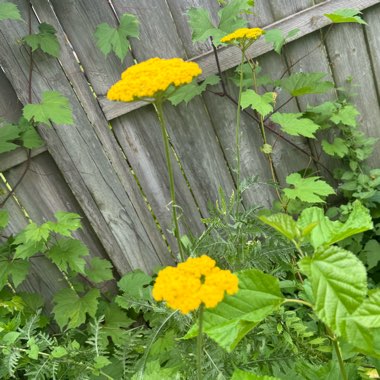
{"type": "Point", "coordinates": [200, 342]}
{"type": "Point", "coordinates": [294, 300]}
{"type": "Point", "coordinates": [158, 106]}
{"type": "Point", "coordinates": [338, 353]}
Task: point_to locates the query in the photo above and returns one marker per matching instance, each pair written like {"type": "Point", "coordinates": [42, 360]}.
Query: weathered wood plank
{"type": "Point", "coordinates": [347, 49]}
{"type": "Point", "coordinates": [308, 21]}
{"type": "Point", "coordinates": [80, 156]}
{"type": "Point", "coordinates": [138, 134]}
{"type": "Point", "coordinates": [189, 127]}
{"type": "Point", "coordinates": [16, 157]}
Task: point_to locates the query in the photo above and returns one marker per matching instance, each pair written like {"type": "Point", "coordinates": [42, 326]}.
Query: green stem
{"type": "Point", "coordinates": [200, 343]}
{"type": "Point", "coordinates": [293, 300]}
{"type": "Point", "coordinates": [165, 138]}
{"type": "Point", "coordinates": [237, 133]}
{"type": "Point", "coordinates": [338, 353]}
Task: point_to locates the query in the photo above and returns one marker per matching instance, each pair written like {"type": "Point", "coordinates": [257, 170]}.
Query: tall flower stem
{"type": "Point", "coordinates": [237, 133]}
{"type": "Point", "coordinates": [160, 113]}
{"type": "Point", "coordinates": [200, 342]}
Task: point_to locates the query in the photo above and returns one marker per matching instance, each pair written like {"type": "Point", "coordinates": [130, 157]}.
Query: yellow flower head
{"type": "Point", "coordinates": [243, 36]}
{"type": "Point", "coordinates": [193, 282]}
{"type": "Point", "coordinates": [152, 77]}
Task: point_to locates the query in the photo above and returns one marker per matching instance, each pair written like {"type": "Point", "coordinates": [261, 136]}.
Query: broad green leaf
{"type": "Point", "coordinates": [362, 327]}
{"type": "Point", "coordinates": [153, 371]}
{"type": "Point", "coordinates": [68, 253]}
{"type": "Point", "coordinates": [337, 148]}
{"type": "Point", "coordinates": [66, 223]}
{"type": "Point", "coordinates": [321, 113]}
{"type": "Point", "coordinates": [299, 84]}
{"type": "Point", "coordinates": [54, 107]}
{"type": "Point", "coordinates": [258, 296]}
{"type": "Point", "coordinates": [70, 309]}
{"type": "Point", "coordinates": [371, 253]}
{"type": "Point", "coordinates": [35, 233]}
{"type": "Point", "coordinates": [15, 271]}
{"type": "Point", "coordinates": [329, 232]}
{"type": "Point", "coordinates": [346, 15]}
{"type": "Point", "coordinates": [8, 133]}
{"type": "Point", "coordinates": [283, 223]}
{"type": "Point", "coordinates": [278, 38]}
{"type": "Point", "coordinates": [4, 218]}
{"type": "Point", "coordinates": [9, 11]}
{"type": "Point", "coordinates": [263, 104]}
{"type": "Point", "coordinates": [230, 15]}
{"type": "Point", "coordinates": [339, 284]}
{"type": "Point", "coordinates": [101, 362]}
{"type": "Point", "coordinates": [346, 115]}
{"type": "Point", "coordinates": [26, 250]}
{"type": "Point", "coordinates": [200, 24]}
{"type": "Point", "coordinates": [116, 39]}
{"type": "Point", "coordinates": [46, 40]}
{"type": "Point", "coordinates": [59, 352]}
{"type": "Point", "coordinates": [100, 270]}
{"type": "Point", "coordinates": [243, 375]}
{"type": "Point", "coordinates": [294, 124]}
{"type": "Point", "coordinates": [136, 284]}
{"type": "Point", "coordinates": [189, 91]}
{"type": "Point", "coordinates": [307, 189]}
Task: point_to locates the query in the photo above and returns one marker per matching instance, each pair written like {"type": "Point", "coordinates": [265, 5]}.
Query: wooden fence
{"type": "Point", "coordinates": [91, 169]}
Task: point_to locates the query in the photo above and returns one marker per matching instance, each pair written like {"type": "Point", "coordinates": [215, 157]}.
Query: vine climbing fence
{"type": "Point", "coordinates": [109, 166]}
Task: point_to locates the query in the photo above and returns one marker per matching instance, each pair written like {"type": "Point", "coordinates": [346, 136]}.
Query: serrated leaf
{"type": "Point", "coordinates": [54, 107]}
{"type": "Point", "coordinates": [278, 38]}
{"type": "Point", "coordinates": [346, 15]}
{"type": "Point", "coordinates": [116, 39]}
{"type": "Point", "coordinates": [371, 253]}
{"type": "Point", "coordinates": [4, 218]}
{"type": "Point", "coordinates": [16, 270]}
{"type": "Point", "coordinates": [258, 296]}
{"type": "Point", "coordinates": [71, 310]}
{"type": "Point", "coordinates": [35, 233]}
{"type": "Point", "coordinates": [66, 223]}
{"type": "Point", "coordinates": [136, 284]}
{"type": "Point", "coordinates": [295, 125]}
{"type": "Point", "coordinates": [200, 24]}
{"type": "Point", "coordinates": [68, 253]}
{"type": "Point", "coordinates": [189, 91]}
{"type": "Point", "coordinates": [8, 133]}
{"type": "Point", "coordinates": [31, 139]}
{"type": "Point", "coordinates": [263, 104]}
{"type": "Point", "coordinates": [100, 270]}
{"type": "Point", "coordinates": [153, 371]}
{"type": "Point", "coordinates": [283, 223]}
{"type": "Point", "coordinates": [230, 16]}
{"type": "Point", "coordinates": [243, 375]}
{"type": "Point", "coordinates": [9, 11]}
{"type": "Point", "coordinates": [339, 284]}
{"type": "Point", "coordinates": [329, 232]}
{"type": "Point", "coordinates": [362, 328]}
{"type": "Point", "coordinates": [59, 352]}
{"type": "Point", "coordinates": [46, 40]}
{"type": "Point", "coordinates": [346, 115]}
{"type": "Point", "coordinates": [337, 148]}
{"type": "Point", "coordinates": [307, 189]}
{"type": "Point", "coordinates": [299, 84]}
{"type": "Point", "coordinates": [26, 250]}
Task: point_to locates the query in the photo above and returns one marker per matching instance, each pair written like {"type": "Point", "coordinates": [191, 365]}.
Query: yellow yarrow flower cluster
{"type": "Point", "coordinates": [192, 283]}
{"type": "Point", "coordinates": [242, 35]}
{"type": "Point", "coordinates": [148, 79]}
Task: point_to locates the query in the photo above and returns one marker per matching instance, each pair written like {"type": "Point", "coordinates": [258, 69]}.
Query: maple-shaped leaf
{"type": "Point", "coordinates": [200, 24]}
{"type": "Point", "coordinates": [9, 11]}
{"type": "Point", "coordinates": [116, 39]}
{"type": "Point", "coordinates": [4, 218]}
{"type": "Point", "coordinates": [299, 84]}
{"type": "Point", "coordinates": [15, 271]}
{"type": "Point", "coordinates": [68, 253]}
{"type": "Point", "coordinates": [8, 133]}
{"type": "Point", "coordinates": [346, 15]}
{"type": "Point", "coordinates": [296, 125]}
{"type": "Point", "coordinates": [307, 189]}
{"type": "Point", "coordinates": [66, 223]}
{"type": "Point", "coordinates": [70, 309]}
{"type": "Point", "coordinates": [26, 250]}
{"type": "Point", "coordinates": [278, 38]}
{"type": "Point", "coordinates": [28, 135]}
{"type": "Point", "coordinates": [54, 107]}
{"type": "Point", "coordinates": [337, 148]}
{"type": "Point", "coordinates": [346, 115]}
{"type": "Point", "coordinates": [189, 91]}
{"type": "Point", "coordinates": [34, 233]}
{"type": "Point", "coordinates": [100, 270]}
{"type": "Point", "coordinates": [46, 40]}
{"type": "Point", "coordinates": [263, 104]}
{"type": "Point", "coordinates": [230, 16]}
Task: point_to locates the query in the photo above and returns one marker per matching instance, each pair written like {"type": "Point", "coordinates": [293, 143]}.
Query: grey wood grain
{"type": "Point", "coordinates": [138, 134]}
{"type": "Point", "coordinates": [80, 156]}
{"type": "Point", "coordinates": [308, 21]}
{"type": "Point", "coordinates": [347, 49]}
{"type": "Point", "coordinates": [190, 127]}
